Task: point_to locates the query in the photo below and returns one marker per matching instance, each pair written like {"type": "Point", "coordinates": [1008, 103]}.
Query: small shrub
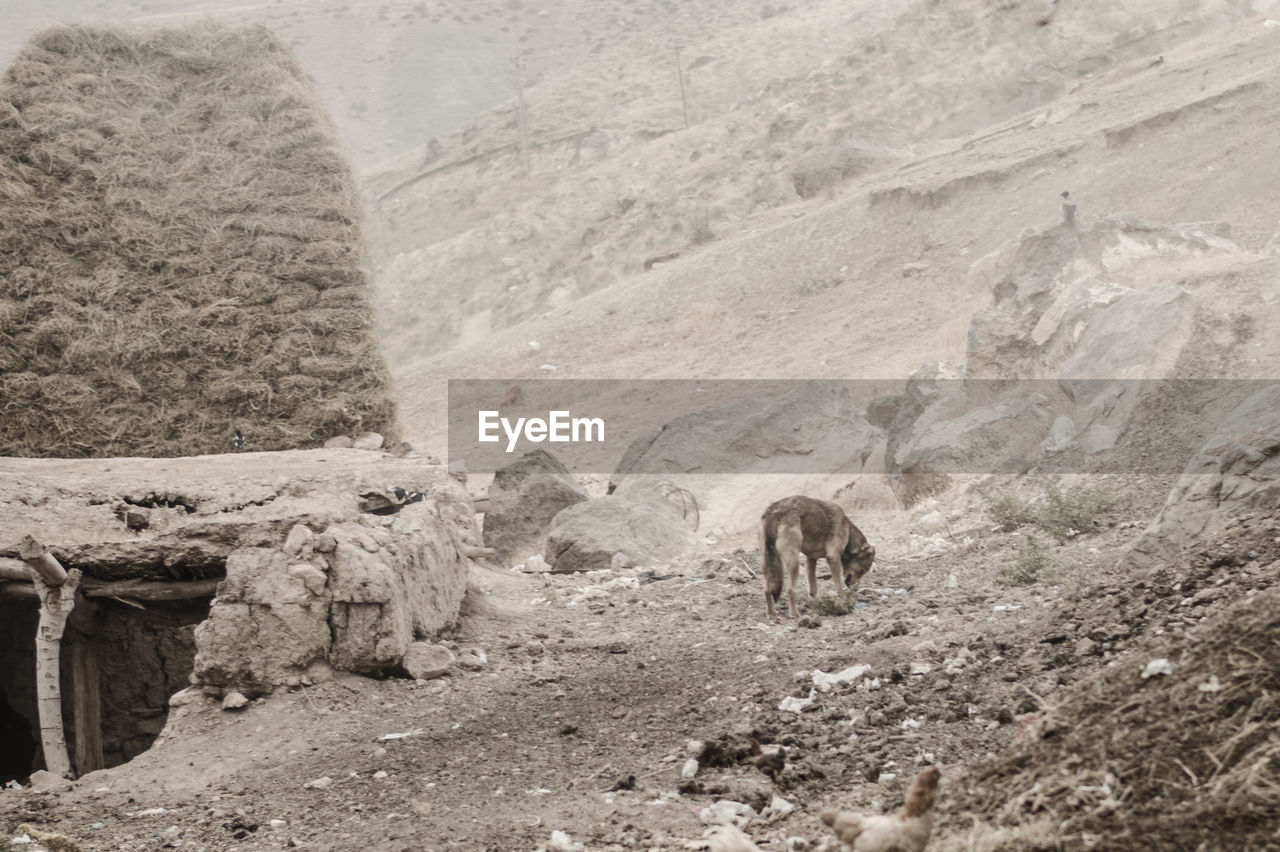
{"type": "Point", "coordinates": [1065, 514]}
{"type": "Point", "coordinates": [1010, 512]}
{"type": "Point", "coordinates": [835, 605]}
{"type": "Point", "coordinates": [1061, 514]}
{"type": "Point", "coordinates": [1031, 563]}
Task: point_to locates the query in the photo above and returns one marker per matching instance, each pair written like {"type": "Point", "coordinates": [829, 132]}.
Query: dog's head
{"type": "Point", "coordinates": [857, 563]}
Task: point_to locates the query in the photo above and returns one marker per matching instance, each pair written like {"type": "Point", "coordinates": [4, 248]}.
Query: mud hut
{"type": "Point", "coordinates": [180, 250]}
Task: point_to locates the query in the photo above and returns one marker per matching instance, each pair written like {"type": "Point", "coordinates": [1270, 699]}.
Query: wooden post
{"type": "Point", "coordinates": [83, 626]}
{"type": "Point", "coordinates": [55, 605]}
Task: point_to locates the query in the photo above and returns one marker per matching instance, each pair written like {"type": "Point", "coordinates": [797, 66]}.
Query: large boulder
{"type": "Point", "coordinates": [1113, 369]}
{"type": "Point", "coordinates": [523, 499]}
{"type": "Point", "coordinates": [1235, 473]}
{"type": "Point", "coordinates": [619, 531]}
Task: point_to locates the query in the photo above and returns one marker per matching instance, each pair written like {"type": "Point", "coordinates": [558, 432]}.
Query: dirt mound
{"type": "Point", "coordinates": [180, 254]}
{"type": "Point", "coordinates": [1171, 757]}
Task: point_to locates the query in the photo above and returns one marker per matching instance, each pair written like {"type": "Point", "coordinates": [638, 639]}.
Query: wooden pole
{"type": "Point", "coordinates": [38, 557]}
{"type": "Point", "coordinates": [56, 602]}
{"type": "Point", "coordinates": [83, 627]}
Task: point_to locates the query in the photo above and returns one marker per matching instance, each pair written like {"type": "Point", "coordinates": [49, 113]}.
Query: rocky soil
{"type": "Point", "coordinates": [595, 690]}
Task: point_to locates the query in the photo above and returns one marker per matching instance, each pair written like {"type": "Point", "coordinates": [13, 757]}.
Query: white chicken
{"type": "Point", "coordinates": [906, 831]}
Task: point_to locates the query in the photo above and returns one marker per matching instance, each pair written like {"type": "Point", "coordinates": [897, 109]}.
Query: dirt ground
{"type": "Point", "coordinates": [594, 687]}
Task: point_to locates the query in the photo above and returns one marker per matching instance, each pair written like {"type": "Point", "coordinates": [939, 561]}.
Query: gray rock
{"type": "Point", "coordinates": [523, 499]}
{"type": "Point", "coordinates": [424, 661]}
{"type": "Point", "coordinates": [643, 531]}
{"type": "Point", "coordinates": [1236, 472]}
{"type": "Point", "coordinates": [367, 441]}
{"type": "Point", "coordinates": [338, 442]}
{"type": "Point", "coordinates": [233, 701]}
{"type": "Point", "coordinates": [44, 780]}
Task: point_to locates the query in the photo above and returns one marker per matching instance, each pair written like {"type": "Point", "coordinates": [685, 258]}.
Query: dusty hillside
{"type": "Point", "coordinates": [1159, 117]}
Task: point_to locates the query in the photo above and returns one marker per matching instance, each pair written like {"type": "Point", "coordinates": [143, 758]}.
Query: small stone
{"type": "Point", "coordinates": [689, 769]}
{"type": "Point", "coordinates": [424, 661]}
{"type": "Point", "coordinates": [300, 536]}
{"type": "Point", "coordinates": [311, 576]}
{"type": "Point", "coordinates": [42, 779]}
{"type": "Point", "coordinates": [234, 701]}
{"type": "Point", "coordinates": [325, 543]}
{"type": "Point", "coordinates": [322, 783]}
{"type": "Point", "coordinates": [367, 441]}
{"type": "Point", "coordinates": [338, 442]}
{"type": "Point", "coordinates": [472, 659]}
{"type": "Point", "coordinates": [186, 696]}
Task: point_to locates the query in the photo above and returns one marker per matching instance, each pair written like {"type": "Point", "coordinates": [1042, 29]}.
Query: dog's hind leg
{"type": "Point", "coordinates": [788, 545]}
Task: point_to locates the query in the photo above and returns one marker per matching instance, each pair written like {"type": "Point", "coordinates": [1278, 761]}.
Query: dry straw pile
{"type": "Point", "coordinates": [180, 251]}
{"type": "Point", "coordinates": [1188, 759]}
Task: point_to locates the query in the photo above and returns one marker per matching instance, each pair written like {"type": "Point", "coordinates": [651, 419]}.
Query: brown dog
{"type": "Point", "coordinates": [817, 529]}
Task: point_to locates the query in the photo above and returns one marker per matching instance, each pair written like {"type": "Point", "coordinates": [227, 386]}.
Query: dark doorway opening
{"type": "Point", "coordinates": [143, 655]}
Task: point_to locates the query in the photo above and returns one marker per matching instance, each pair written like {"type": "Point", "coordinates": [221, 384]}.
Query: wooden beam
{"type": "Point", "coordinates": [14, 569]}
{"type": "Point", "coordinates": [86, 705]}
{"type": "Point", "coordinates": [143, 590]}
{"type": "Point", "coordinates": [56, 601]}
{"type": "Point", "coordinates": [38, 557]}
{"type": "Point", "coordinates": [13, 590]}
{"type": "Point", "coordinates": [153, 590]}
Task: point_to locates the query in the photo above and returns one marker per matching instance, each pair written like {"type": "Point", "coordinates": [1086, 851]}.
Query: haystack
{"type": "Point", "coordinates": [180, 250]}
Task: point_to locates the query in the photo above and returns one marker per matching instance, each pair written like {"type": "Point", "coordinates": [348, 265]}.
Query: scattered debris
{"type": "Point", "coordinates": [1159, 666]}
{"type": "Point", "coordinates": [560, 842]}
{"type": "Point", "coordinates": [797, 705]}
{"type": "Point", "coordinates": [386, 738]}
{"type": "Point", "coordinates": [725, 812]}
{"type": "Point", "coordinates": [825, 682]}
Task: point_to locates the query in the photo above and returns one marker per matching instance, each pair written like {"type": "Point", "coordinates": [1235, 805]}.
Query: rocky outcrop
{"type": "Point", "coordinates": [1235, 473]}
{"type": "Point", "coordinates": [1114, 367]}
{"type": "Point", "coordinates": [1061, 279]}
{"type": "Point", "coordinates": [523, 499]}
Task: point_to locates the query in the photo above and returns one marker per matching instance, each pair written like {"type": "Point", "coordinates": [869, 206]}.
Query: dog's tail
{"type": "Point", "coordinates": [771, 564]}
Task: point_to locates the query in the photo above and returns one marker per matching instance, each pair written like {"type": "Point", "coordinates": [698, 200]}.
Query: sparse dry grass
{"type": "Point", "coordinates": [180, 253]}
{"type": "Point", "coordinates": [1174, 761]}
